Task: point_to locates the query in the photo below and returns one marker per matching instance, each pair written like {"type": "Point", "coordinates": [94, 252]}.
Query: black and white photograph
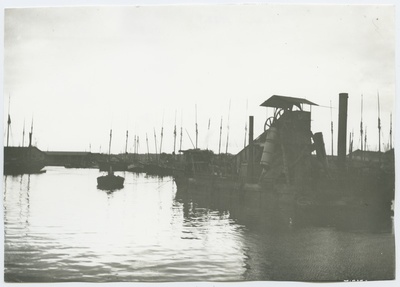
{"type": "Point", "coordinates": [230, 142]}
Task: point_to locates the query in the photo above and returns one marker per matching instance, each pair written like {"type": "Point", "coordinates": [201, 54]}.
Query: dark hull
{"type": "Point", "coordinates": [349, 202]}
{"type": "Point", "coordinates": [116, 166]}
{"type": "Point", "coordinates": [18, 168]}
{"type": "Point", "coordinates": [110, 182]}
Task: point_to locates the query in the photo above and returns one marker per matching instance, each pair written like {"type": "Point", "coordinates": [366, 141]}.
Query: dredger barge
{"type": "Point", "coordinates": [286, 171]}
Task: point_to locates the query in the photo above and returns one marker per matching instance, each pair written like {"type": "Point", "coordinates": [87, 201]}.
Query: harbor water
{"type": "Point", "coordinates": [58, 227]}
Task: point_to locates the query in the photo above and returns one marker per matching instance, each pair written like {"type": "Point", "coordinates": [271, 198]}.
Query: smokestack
{"type": "Point", "coordinates": [342, 131]}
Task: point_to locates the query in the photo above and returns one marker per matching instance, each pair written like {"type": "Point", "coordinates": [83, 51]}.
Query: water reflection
{"type": "Point", "coordinates": [60, 227]}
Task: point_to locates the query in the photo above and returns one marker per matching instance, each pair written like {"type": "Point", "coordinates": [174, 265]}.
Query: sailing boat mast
{"type": "Point", "coordinates": [361, 124]}
{"type": "Point", "coordinates": [30, 134]}
{"type": "Point", "coordinates": [390, 132]}
{"type": "Point", "coordinates": [180, 144]}
{"type": "Point", "coordinates": [147, 143]}
{"type": "Point", "coordinates": [365, 139]}
{"type": "Point", "coordinates": [8, 120]}
{"type": "Point", "coordinates": [331, 131]}
{"type": "Point", "coordinates": [109, 144]}
{"type": "Point", "coordinates": [379, 125]}
{"type": "Point", "coordinates": [155, 141]}
{"type": "Point", "coordinates": [175, 133]}
{"type": "Point", "coordinates": [220, 135]}
{"type": "Point", "coordinates": [162, 132]}
{"type": "Point", "coordinates": [134, 144]}
{"type": "Point", "coordinates": [227, 131]}
{"type": "Point", "coordinates": [197, 132]}
{"type": "Point", "coordinates": [126, 143]}
{"type": "Point", "coordinates": [245, 125]}
{"type": "Point", "coordinates": [23, 135]}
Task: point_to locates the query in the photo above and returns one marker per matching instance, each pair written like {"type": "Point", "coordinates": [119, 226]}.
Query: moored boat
{"type": "Point", "coordinates": [110, 181]}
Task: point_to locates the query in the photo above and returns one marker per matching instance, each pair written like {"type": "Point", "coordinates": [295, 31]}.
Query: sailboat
{"type": "Point", "coordinates": [22, 160]}
{"type": "Point", "coordinates": [110, 181]}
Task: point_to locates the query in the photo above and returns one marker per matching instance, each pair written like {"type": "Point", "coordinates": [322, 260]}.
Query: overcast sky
{"type": "Point", "coordinates": [81, 71]}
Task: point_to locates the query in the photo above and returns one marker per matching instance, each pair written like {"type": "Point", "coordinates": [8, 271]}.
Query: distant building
{"type": "Point", "coordinates": [69, 159]}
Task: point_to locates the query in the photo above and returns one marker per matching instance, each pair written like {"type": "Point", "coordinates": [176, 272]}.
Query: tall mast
{"type": "Point", "coordinates": [109, 144]}
{"type": "Point", "coordinates": [220, 135]}
{"type": "Point", "coordinates": [180, 144]}
{"type": "Point", "coordinates": [390, 133]}
{"type": "Point", "coordinates": [126, 143]}
{"type": "Point", "coordinates": [365, 139]}
{"type": "Point", "coordinates": [227, 128]}
{"type": "Point", "coordinates": [147, 143]}
{"type": "Point", "coordinates": [175, 133]}
{"type": "Point", "coordinates": [155, 141]}
{"type": "Point", "coordinates": [245, 125]}
{"type": "Point", "coordinates": [23, 134]}
{"type": "Point", "coordinates": [197, 132]}
{"type": "Point", "coordinates": [134, 144]}
{"type": "Point", "coordinates": [331, 131]}
{"type": "Point", "coordinates": [30, 134]}
{"type": "Point", "coordinates": [137, 145]}
{"type": "Point", "coordinates": [8, 120]}
{"type": "Point", "coordinates": [162, 133]}
{"type": "Point", "coordinates": [208, 130]}
{"type": "Point", "coordinates": [361, 124]}
{"type": "Point", "coordinates": [379, 125]}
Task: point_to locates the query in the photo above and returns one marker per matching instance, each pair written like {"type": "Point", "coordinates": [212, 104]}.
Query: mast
{"type": "Point", "coordinates": [180, 144]}
{"type": "Point", "coordinates": [379, 125]}
{"type": "Point", "coordinates": [390, 133]}
{"type": "Point", "coordinates": [134, 144]}
{"type": "Point", "coordinates": [220, 135]}
{"type": "Point", "coordinates": [126, 143]}
{"type": "Point", "coordinates": [23, 134]}
{"type": "Point", "coordinates": [227, 128]}
{"type": "Point", "coordinates": [331, 131]}
{"type": "Point", "coordinates": [245, 125]}
{"type": "Point", "coordinates": [109, 144]}
{"type": "Point", "coordinates": [147, 143]}
{"type": "Point", "coordinates": [162, 132]}
{"type": "Point", "coordinates": [208, 130]}
{"type": "Point", "coordinates": [365, 139]}
{"type": "Point", "coordinates": [155, 141]}
{"type": "Point", "coordinates": [137, 145]}
{"type": "Point", "coordinates": [30, 134]}
{"type": "Point", "coordinates": [175, 133]}
{"type": "Point", "coordinates": [197, 132]}
{"type": "Point", "coordinates": [361, 125]}
{"type": "Point", "coordinates": [8, 120]}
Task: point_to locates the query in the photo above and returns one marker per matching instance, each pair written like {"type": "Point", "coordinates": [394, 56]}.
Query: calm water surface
{"type": "Point", "coordinates": [59, 227]}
